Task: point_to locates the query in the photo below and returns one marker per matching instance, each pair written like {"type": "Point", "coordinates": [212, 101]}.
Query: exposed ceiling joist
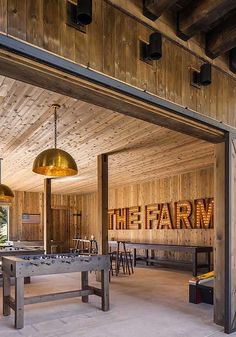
{"type": "Point", "coordinates": [201, 15]}
{"type": "Point", "coordinates": [153, 9]}
{"type": "Point", "coordinates": [222, 38]}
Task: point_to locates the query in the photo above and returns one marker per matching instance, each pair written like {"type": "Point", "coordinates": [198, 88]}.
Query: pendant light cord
{"type": "Point", "coordinates": [55, 126]}
{"type": "Point", "coordinates": [0, 170]}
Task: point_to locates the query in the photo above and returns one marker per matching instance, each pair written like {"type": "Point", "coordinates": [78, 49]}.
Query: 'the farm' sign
{"type": "Point", "coordinates": [180, 215]}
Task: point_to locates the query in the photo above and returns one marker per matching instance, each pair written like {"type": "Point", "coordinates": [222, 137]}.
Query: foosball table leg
{"type": "Point", "coordinates": [105, 290]}
{"type": "Point", "coordinates": [19, 302]}
{"type": "Point", "coordinates": [84, 283]}
{"type": "Point", "coordinates": [6, 295]}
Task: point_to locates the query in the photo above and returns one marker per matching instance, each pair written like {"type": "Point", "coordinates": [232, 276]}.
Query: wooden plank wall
{"type": "Point", "coordinates": [32, 203]}
{"type": "Point", "coordinates": [189, 186]}
{"type": "Point", "coordinates": [111, 46]}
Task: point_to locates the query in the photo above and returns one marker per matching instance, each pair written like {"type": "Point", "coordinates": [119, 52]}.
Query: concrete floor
{"type": "Point", "coordinates": [150, 303]}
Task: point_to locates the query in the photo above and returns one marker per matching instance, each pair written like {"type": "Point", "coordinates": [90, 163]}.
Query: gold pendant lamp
{"type": "Point", "coordinates": [55, 162]}
{"type": "Point", "coordinates": [6, 194]}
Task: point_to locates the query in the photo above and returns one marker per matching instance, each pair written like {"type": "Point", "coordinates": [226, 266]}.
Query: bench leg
{"type": "Point", "coordinates": [194, 264]}
{"type": "Point", "coordinates": [6, 295]}
{"type": "Point", "coordinates": [84, 283]}
{"type": "Point", "coordinates": [135, 256]}
{"type": "Point", "coordinates": [209, 261]}
{"type": "Point", "coordinates": [105, 290]}
{"type": "Point", "coordinates": [147, 256]}
{"type": "Point", "coordinates": [152, 256]}
{"type": "Point", "coordinates": [19, 303]}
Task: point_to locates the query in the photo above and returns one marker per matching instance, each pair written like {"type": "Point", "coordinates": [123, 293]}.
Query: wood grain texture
{"type": "Point", "coordinates": [16, 18]}
{"type": "Point", "coordinates": [102, 203]}
{"type": "Point", "coordinates": [111, 45]}
{"type": "Point", "coordinates": [47, 215]}
{"type": "Point", "coordinates": [34, 14]}
{"type": "Point", "coordinates": [3, 16]}
{"type": "Point", "coordinates": [139, 151]}
{"type": "Point", "coordinates": [166, 24]}
{"type": "Point", "coordinates": [219, 234]}
{"type": "Point", "coordinates": [222, 38]}
{"type": "Point", "coordinates": [200, 15]}
{"type": "Point", "coordinates": [189, 186]}
{"type": "Point", "coordinates": [65, 226]}
{"type": "Point", "coordinates": [51, 25]}
{"type": "Point", "coordinates": [153, 9]}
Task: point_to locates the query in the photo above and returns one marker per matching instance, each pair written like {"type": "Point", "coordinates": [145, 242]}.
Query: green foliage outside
{"type": "Point", "coordinates": [3, 224]}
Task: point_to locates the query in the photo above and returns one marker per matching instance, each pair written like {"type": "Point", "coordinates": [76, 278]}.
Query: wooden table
{"type": "Point", "coordinates": [14, 251]}
{"type": "Point", "coordinates": [27, 266]}
{"type": "Point", "coordinates": [194, 250]}
{"type": "Point", "coordinates": [18, 251]}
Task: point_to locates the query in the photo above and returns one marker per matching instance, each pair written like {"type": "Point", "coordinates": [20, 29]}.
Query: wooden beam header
{"type": "Point", "coordinates": [44, 69]}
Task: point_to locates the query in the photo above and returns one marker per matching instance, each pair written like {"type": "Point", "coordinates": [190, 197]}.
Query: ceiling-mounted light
{"type": "Point", "coordinates": [232, 60]}
{"type": "Point", "coordinates": [6, 194]}
{"type": "Point", "coordinates": [55, 162]}
{"type": "Point", "coordinates": [203, 77]}
{"type": "Point", "coordinates": [153, 50]}
{"type": "Point", "coordinates": [84, 12]}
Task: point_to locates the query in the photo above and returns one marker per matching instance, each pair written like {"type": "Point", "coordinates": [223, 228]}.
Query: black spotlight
{"type": "Point", "coordinates": [155, 46]}
{"type": "Point", "coordinates": [84, 12]}
{"type": "Point", "coordinates": [153, 50]}
{"type": "Point", "coordinates": [232, 60]}
{"type": "Point", "coordinates": [204, 76]}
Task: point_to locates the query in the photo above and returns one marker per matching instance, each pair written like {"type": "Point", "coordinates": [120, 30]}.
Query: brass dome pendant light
{"type": "Point", "coordinates": [6, 194]}
{"type": "Point", "coordinates": [55, 162]}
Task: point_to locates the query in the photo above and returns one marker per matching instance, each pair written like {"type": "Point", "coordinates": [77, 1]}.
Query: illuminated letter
{"type": "Point", "coordinates": [111, 219]}
{"type": "Point", "coordinates": [121, 218]}
{"type": "Point", "coordinates": [183, 210]}
{"type": "Point", "coordinates": [165, 218]}
{"type": "Point", "coordinates": [134, 218]}
{"type": "Point", "coordinates": [204, 211]}
{"type": "Point", "coordinates": [152, 216]}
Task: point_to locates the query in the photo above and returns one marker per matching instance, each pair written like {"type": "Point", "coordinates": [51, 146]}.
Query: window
{"type": "Point", "coordinates": [4, 220]}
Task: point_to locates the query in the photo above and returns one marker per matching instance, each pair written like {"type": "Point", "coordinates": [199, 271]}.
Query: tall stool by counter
{"type": "Point", "coordinates": [122, 258]}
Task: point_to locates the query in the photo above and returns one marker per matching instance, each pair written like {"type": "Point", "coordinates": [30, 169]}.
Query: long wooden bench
{"type": "Point", "coordinates": [151, 247]}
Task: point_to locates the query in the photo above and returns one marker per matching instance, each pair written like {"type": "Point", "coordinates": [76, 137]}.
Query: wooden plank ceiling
{"type": "Point", "coordinates": [139, 151]}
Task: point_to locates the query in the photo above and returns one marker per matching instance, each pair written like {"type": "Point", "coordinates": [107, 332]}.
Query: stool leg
{"type": "Point", "coordinates": [131, 262]}
{"type": "Point", "coordinates": [126, 259]}
{"type": "Point", "coordinates": [122, 262]}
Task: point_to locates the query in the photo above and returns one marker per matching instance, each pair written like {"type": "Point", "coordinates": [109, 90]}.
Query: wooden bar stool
{"type": "Point", "coordinates": [122, 258]}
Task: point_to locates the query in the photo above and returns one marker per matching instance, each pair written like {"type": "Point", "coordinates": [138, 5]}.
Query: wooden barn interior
{"type": "Point", "coordinates": [140, 96]}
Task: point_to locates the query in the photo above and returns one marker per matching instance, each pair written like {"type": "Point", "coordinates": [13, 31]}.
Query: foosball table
{"type": "Point", "coordinates": [26, 266]}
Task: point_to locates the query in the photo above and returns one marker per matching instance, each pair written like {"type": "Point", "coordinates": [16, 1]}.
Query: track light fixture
{"type": "Point", "coordinates": [153, 50]}
{"type": "Point", "coordinates": [84, 12]}
{"type": "Point", "coordinates": [203, 77]}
